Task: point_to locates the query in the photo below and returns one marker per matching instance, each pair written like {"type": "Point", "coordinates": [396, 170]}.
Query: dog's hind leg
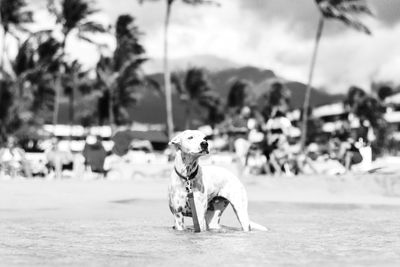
{"type": "Point", "coordinates": [216, 207]}
{"type": "Point", "coordinates": [240, 208]}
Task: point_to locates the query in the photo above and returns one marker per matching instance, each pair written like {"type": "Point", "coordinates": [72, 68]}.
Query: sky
{"type": "Point", "coordinates": [271, 34]}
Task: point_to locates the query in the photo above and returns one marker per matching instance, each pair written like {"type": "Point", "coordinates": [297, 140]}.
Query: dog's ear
{"type": "Point", "coordinates": [176, 141]}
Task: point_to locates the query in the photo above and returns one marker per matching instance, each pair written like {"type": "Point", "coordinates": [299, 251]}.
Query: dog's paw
{"type": "Point", "coordinates": [178, 228]}
{"type": "Point", "coordinates": [214, 227]}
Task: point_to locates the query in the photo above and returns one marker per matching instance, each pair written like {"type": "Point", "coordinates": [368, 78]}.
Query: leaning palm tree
{"type": "Point", "coordinates": [344, 11]}
{"type": "Point", "coordinates": [36, 66]}
{"type": "Point", "coordinates": [121, 75]}
{"type": "Point", "coordinates": [240, 95]}
{"type": "Point", "coordinates": [72, 15]}
{"type": "Point", "coordinates": [195, 89]}
{"type": "Point", "coordinates": [27, 97]}
{"type": "Point", "coordinates": [167, 75]}
{"type": "Point", "coordinates": [13, 16]}
{"type": "Point", "coordinates": [196, 85]}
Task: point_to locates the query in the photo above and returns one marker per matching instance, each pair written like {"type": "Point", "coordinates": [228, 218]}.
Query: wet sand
{"type": "Point", "coordinates": [313, 221]}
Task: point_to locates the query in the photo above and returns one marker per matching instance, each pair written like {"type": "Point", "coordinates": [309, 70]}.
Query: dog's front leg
{"type": "Point", "coordinates": [202, 220]}
{"type": "Point", "coordinates": [179, 225]}
{"type": "Point", "coordinates": [201, 208]}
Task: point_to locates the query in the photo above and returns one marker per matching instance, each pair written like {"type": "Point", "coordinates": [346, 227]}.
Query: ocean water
{"type": "Point", "coordinates": [138, 232]}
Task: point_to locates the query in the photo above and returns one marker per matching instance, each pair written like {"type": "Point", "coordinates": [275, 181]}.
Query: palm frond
{"type": "Point", "coordinates": [83, 37]}
{"type": "Point", "coordinates": [354, 23]}
{"type": "Point", "coordinates": [131, 65]}
{"type": "Point", "coordinates": [14, 12]}
{"type": "Point", "coordinates": [92, 27]}
{"type": "Point", "coordinates": [176, 81]}
{"type": "Point", "coordinates": [152, 84]}
{"type": "Point", "coordinates": [344, 11]}
{"type": "Point", "coordinates": [201, 2]}
{"type": "Point", "coordinates": [355, 8]}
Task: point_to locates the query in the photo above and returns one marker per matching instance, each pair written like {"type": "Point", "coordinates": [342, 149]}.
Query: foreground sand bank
{"type": "Point", "coordinates": [45, 194]}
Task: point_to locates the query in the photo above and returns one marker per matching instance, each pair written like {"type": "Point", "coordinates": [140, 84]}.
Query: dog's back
{"type": "Point", "coordinates": [222, 181]}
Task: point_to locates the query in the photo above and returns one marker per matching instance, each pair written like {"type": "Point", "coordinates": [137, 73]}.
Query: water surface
{"type": "Point", "coordinates": [137, 232]}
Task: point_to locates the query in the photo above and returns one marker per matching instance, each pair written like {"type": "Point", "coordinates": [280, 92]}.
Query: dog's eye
{"type": "Point", "coordinates": [190, 137]}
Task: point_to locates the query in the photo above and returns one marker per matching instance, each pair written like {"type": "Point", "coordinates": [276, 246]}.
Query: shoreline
{"type": "Point", "coordinates": [366, 189]}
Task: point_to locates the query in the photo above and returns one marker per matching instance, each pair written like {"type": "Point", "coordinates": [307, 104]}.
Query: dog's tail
{"type": "Point", "coordinates": [256, 226]}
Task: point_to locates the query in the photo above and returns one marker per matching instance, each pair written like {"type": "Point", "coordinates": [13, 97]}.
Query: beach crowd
{"type": "Point", "coordinates": [269, 147]}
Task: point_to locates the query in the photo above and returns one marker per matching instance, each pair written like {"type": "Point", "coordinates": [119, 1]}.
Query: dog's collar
{"type": "Point", "coordinates": [190, 177]}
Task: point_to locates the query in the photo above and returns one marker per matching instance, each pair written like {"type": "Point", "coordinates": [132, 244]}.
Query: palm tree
{"type": "Point", "coordinates": [167, 74]}
{"type": "Point", "coordinates": [27, 97]}
{"type": "Point", "coordinates": [196, 91]}
{"type": "Point", "coordinates": [384, 91]}
{"type": "Point", "coordinates": [196, 85]}
{"type": "Point", "coordinates": [72, 15]}
{"type": "Point", "coordinates": [344, 11]}
{"type": "Point", "coordinates": [13, 15]}
{"type": "Point", "coordinates": [5, 105]}
{"type": "Point", "coordinates": [75, 78]}
{"type": "Point", "coordinates": [240, 95]}
{"type": "Point", "coordinates": [278, 98]}
{"type": "Point", "coordinates": [36, 65]}
{"type": "Point", "coordinates": [121, 75]}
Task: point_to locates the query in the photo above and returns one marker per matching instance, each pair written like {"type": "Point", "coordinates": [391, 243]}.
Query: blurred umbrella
{"type": "Point", "coordinates": [123, 139]}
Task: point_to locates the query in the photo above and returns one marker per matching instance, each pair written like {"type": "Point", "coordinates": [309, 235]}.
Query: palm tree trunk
{"type": "Point", "coordinates": [3, 51]}
{"type": "Point", "coordinates": [58, 84]}
{"type": "Point", "coordinates": [188, 117]}
{"type": "Point", "coordinates": [57, 87]}
{"type": "Point", "coordinates": [111, 109]}
{"type": "Point", "coordinates": [71, 108]}
{"type": "Point", "coordinates": [167, 75]}
{"type": "Point", "coordinates": [310, 78]}
{"type": "Point", "coordinates": [2, 47]}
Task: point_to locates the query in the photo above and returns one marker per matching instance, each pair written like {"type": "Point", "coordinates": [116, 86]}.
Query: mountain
{"type": "Point", "coordinates": [210, 62]}
{"type": "Point", "coordinates": [151, 107]}
{"type": "Point", "coordinates": [317, 97]}
{"type": "Point", "coordinates": [261, 79]}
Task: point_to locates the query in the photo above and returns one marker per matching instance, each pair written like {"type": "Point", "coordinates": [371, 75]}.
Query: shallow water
{"type": "Point", "coordinates": [138, 232]}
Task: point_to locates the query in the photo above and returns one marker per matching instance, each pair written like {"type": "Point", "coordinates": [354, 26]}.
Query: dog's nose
{"type": "Point", "coordinates": [204, 144]}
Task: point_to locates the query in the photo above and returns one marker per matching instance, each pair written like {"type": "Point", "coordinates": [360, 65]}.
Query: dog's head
{"type": "Point", "coordinates": [191, 142]}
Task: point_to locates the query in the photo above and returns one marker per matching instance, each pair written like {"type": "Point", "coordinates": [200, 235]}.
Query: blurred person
{"type": "Point", "coordinates": [307, 159]}
{"type": "Point", "coordinates": [315, 161]}
{"type": "Point", "coordinates": [58, 159]}
{"type": "Point", "coordinates": [278, 125]}
{"type": "Point", "coordinates": [239, 123]}
{"type": "Point", "coordinates": [349, 153]}
{"type": "Point", "coordinates": [255, 158]}
{"type": "Point", "coordinates": [94, 154]}
{"type": "Point", "coordinates": [238, 133]}
{"type": "Point", "coordinates": [12, 160]}
{"type": "Point", "coordinates": [277, 149]}
{"type": "Point", "coordinates": [333, 147]}
{"type": "Point", "coordinates": [110, 166]}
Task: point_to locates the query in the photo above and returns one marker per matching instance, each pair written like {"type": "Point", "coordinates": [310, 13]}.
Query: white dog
{"type": "Point", "coordinates": [213, 187]}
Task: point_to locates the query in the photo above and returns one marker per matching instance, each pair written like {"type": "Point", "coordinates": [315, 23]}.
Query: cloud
{"type": "Point", "coordinates": [277, 35]}
{"type": "Point", "coordinates": [273, 34]}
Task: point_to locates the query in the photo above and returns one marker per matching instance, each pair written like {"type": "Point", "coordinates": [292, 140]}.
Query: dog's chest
{"type": "Point", "coordinates": [178, 196]}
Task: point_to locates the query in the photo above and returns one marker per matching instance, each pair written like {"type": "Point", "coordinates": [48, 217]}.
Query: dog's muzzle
{"type": "Point", "coordinates": [204, 146]}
